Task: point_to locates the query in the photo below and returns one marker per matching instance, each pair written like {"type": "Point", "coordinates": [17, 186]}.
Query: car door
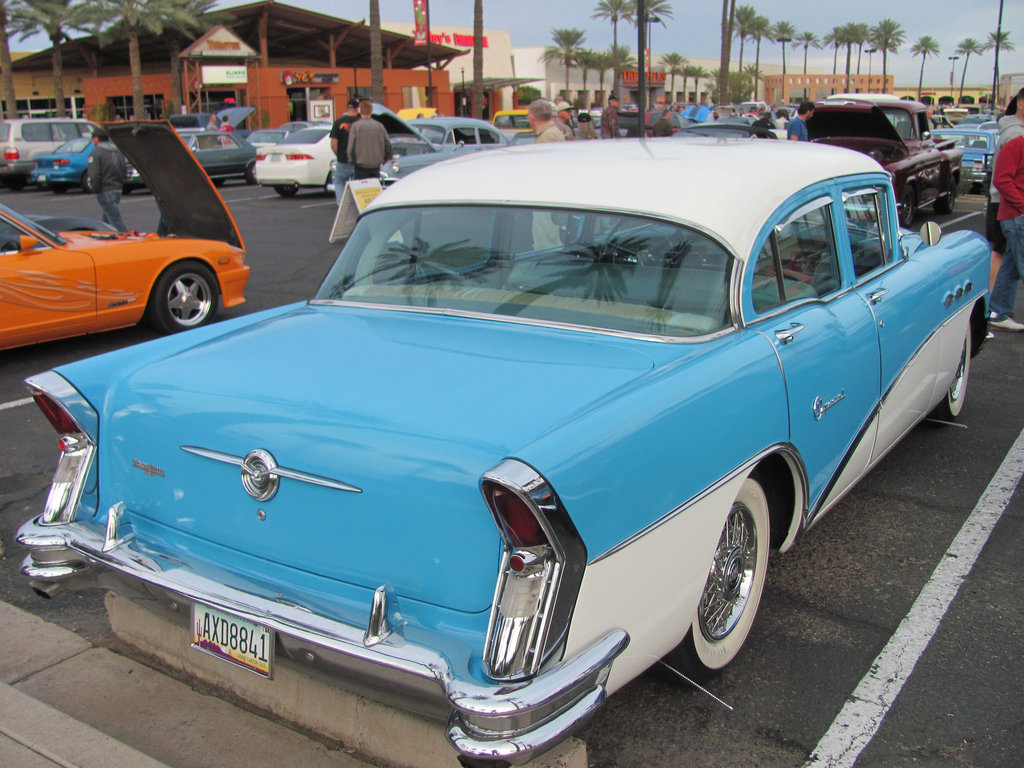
{"type": "Point", "coordinates": [46, 291]}
{"type": "Point", "coordinates": [826, 343]}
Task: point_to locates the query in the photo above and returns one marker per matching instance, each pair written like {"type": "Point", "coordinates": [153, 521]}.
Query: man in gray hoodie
{"type": "Point", "coordinates": [107, 173]}
{"type": "Point", "coordinates": [1004, 290]}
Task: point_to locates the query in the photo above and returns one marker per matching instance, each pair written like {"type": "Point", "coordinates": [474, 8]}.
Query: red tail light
{"type": "Point", "coordinates": [56, 414]}
{"type": "Point", "coordinates": [11, 153]}
{"type": "Point", "coordinates": [522, 525]}
{"type": "Point", "coordinates": [61, 161]}
{"type": "Point", "coordinates": [261, 157]}
{"type": "Point", "coordinates": [299, 157]}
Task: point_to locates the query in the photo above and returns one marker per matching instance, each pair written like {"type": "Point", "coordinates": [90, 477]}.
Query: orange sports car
{"type": "Point", "coordinates": [54, 285]}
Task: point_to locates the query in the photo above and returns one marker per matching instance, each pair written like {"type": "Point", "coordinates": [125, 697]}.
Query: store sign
{"type": "Point", "coordinates": [224, 75]}
{"type": "Point", "coordinates": [308, 78]}
{"type": "Point", "coordinates": [454, 38]}
{"type": "Point", "coordinates": [631, 76]}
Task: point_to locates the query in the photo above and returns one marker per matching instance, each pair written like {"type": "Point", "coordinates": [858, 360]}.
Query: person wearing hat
{"type": "Point", "coordinates": [587, 126]}
{"type": "Point", "coordinates": [610, 119]}
{"type": "Point", "coordinates": [107, 174]}
{"type": "Point", "coordinates": [564, 121]}
{"type": "Point", "coordinates": [343, 169]}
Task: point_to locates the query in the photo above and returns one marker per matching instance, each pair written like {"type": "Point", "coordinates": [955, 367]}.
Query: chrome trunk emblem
{"type": "Point", "coordinates": [261, 475]}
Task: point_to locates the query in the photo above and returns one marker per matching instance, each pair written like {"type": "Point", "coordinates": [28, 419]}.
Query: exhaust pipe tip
{"type": "Point", "coordinates": [46, 589]}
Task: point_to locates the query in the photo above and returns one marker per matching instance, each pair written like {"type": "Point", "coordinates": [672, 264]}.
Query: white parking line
{"type": "Point", "coordinates": [15, 403]}
{"type": "Point", "coordinates": [862, 715]}
{"type": "Point", "coordinates": [965, 217]}
{"type": "Point", "coordinates": [317, 205]}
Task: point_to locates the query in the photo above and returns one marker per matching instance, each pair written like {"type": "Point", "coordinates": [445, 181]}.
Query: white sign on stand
{"type": "Point", "coordinates": [355, 198]}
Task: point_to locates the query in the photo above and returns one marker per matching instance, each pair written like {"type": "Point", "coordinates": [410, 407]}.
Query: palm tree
{"type": "Point", "coordinates": [673, 64]}
{"type": "Point", "coordinates": [887, 36]}
{"type": "Point", "coordinates": [846, 37]}
{"type": "Point", "coordinates": [567, 44]}
{"type": "Point", "coordinates": [585, 61]}
{"type": "Point", "coordinates": [722, 76]}
{"type": "Point", "coordinates": [656, 11]}
{"type": "Point", "coordinates": [602, 62]}
{"type": "Point", "coordinates": [696, 72]}
{"type": "Point", "coordinates": [188, 18]}
{"type": "Point", "coordinates": [758, 31]}
{"type": "Point", "coordinates": [478, 59]}
{"type": "Point", "coordinates": [925, 46]}
{"type": "Point", "coordinates": [622, 58]}
{"type": "Point", "coordinates": [746, 16]}
{"type": "Point", "coordinates": [55, 18]}
{"type": "Point", "coordinates": [833, 40]}
{"type": "Point", "coordinates": [615, 11]}
{"type": "Point", "coordinates": [7, 86]}
{"type": "Point", "coordinates": [808, 40]}
{"type": "Point", "coordinates": [376, 54]}
{"type": "Point", "coordinates": [783, 32]}
{"type": "Point", "coordinates": [859, 34]}
{"type": "Point", "coordinates": [965, 48]}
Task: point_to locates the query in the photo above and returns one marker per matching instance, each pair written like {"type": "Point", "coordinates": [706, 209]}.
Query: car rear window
{"type": "Point", "coordinates": [5, 131]}
{"type": "Point", "coordinates": [74, 146]}
{"type": "Point", "coordinates": [609, 271]}
{"type": "Point", "coordinates": [307, 136]}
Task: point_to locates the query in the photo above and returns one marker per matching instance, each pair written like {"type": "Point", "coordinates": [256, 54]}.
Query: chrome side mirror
{"type": "Point", "coordinates": [931, 233]}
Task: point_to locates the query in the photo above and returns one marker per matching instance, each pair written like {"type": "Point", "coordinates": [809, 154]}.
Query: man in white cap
{"type": "Point", "coordinates": [564, 121]}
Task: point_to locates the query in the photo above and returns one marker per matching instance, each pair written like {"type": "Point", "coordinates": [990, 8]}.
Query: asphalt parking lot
{"type": "Point", "coordinates": [953, 695]}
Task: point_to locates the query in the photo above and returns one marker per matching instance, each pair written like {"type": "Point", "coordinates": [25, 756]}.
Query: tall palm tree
{"type": "Point", "coordinates": [478, 59]}
{"type": "Point", "coordinates": [887, 36]}
{"type": "Point", "coordinates": [190, 17]}
{"type": "Point", "coordinates": [696, 72]}
{"type": "Point", "coordinates": [925, 46]}
{"type": "Point", "coordinates": [7, 84]}
{"type": "Point", "coordinates": [807, 40]}
{"type": "Point", "coordinates": [758, 31]}
{"type": "Point", "coordinates": [567, 43]}
{"type": "Point", "coordinates": [602, 62]}
{"type": "Point", "coordinates": [833, 40]}
{"type": "Point", "coordinates": [744, 22]}
{"type": "Point", "coordinates": [847, 38]}
{"type": "Point", "coordinates": [376, 54]}
{"type": "Point", "coordinates": [998, 41]}
{"type": "Point", "coordinates": [673, 64]}
{"type": "Point", "coordinates": [965, 48]}
{"type": "Point", "coordinates": [615, 11]}
{"type": "Point", "coordinates": [859, 34]}
{"type": "Point", "coordinates": [728, 24]}
{"type": "Point", "coordinates": [783, 32]}
{"type": "Point", "coordinates": [55, 19]}
{"type": "Point", "coordinates": [585, 61]}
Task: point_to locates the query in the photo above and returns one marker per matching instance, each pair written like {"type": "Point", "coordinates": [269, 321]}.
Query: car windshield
{"type": "Point", "coordinates": [965, 140]}
{"type": "Point", "coordinates": [307, 136]}
{"type": "Point", "coordinates": [598, 270]}
{"type": "Point", "coordinates": [33, 225]}
{"type": "Point", "coordinates": [265, 136]}
{"type": "Point", "coordinates": [74, 146]}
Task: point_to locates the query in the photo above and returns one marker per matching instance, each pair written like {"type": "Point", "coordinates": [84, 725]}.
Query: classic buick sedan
{"type": "Point", "coordinates": [529, 436]}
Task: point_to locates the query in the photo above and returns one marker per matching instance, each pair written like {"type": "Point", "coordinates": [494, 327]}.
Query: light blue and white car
{"type": "Point", "coordinates": [534, 432]}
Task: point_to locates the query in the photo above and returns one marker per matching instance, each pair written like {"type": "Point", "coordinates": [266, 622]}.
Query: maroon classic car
{"type": "Point", "coordinates": [896, 133]}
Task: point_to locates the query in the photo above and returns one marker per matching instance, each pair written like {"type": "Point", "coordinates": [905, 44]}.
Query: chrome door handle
{"type": "Point", "coordinates": [786, 335]}
{"type": "Point", "coordinates": [876, 296]}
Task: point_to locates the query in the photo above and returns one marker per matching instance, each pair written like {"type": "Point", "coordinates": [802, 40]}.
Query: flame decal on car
{"type": "Point", "coordinates": [41, 290]}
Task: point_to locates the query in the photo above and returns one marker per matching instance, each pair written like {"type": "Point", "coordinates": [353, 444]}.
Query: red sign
{"type": "Point", "coordinates": [419, 12]}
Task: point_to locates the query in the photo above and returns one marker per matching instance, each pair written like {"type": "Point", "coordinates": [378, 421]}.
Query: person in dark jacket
{"type": "Point", "coordinates": [107, 174]}
{"type": "Point", "coordinates": [663, 126]}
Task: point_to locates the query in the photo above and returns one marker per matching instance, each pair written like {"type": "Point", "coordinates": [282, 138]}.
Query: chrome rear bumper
{"type": "Point", "coordinates": [499, 723]}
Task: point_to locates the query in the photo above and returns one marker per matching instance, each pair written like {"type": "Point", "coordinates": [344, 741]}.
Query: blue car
{"type": "Point", "coordinates": [65, 167]}
{"type": "Point", "coordinates": [979, 146]}
{"type": "Point", "coordinates": [533, 433]}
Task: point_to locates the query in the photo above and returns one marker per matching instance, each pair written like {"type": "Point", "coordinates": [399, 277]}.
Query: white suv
{"type": "Point", "coordinates": [21, 139]}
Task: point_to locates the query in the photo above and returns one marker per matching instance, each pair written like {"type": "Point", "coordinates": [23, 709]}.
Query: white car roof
{"type": "Point", "coordinates": [725, 186]}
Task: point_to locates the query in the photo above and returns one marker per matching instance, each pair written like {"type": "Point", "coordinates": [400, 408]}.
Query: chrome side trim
{"type": "Point", "coordinates": [291, 474]}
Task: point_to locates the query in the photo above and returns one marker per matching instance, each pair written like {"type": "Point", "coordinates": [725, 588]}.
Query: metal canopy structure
{"type": "Point", "coordinates": [281, 34]}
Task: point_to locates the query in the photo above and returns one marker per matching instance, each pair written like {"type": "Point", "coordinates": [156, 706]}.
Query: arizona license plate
{"type": "Point", "coordinates": [233, 639]}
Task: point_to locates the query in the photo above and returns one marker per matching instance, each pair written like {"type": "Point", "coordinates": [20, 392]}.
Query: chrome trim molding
{"type": "Point", "coordinates": [258, 465]}
{"type": "Point", "coordinates": [484, 718]}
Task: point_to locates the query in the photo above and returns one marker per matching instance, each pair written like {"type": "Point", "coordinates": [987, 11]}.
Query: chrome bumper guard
{"type": "Point", "coordinates": [499, 723]}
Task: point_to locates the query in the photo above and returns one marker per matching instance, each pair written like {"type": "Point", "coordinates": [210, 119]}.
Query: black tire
{"type": "Point", "coordinates": [945, 203]}
{"type": "Point", "coordinates": [732, 593]}
{"type": "Point", "coordinates": [185, 296]}
{"type": "Point", "coordinates": [287, 190]}
{"type": "Point", "coordinates": [908, 207]}
{"type": "Point", "coordinates": [86, 186]}
{"type": "Point", "coordinates": [250, 173]}
{"type": "Point", "coordinates": [953, 403]}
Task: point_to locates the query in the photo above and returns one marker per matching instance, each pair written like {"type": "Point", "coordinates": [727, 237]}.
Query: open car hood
{"type": "Point", "coordinates": [185, 194]}
{"type": "Point", "coordinates": [851, 120]}
{"type": "Point", "coordinates": [235, 116]}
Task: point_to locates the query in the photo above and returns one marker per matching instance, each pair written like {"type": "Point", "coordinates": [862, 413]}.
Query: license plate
{"type": "Point", "coordinates": [41, 178]}
{"type": "Point", "coordinates": [233, 639]}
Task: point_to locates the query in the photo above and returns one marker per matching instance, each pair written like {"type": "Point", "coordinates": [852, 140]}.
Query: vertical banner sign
{"type": "Point", "coordinates": [419, 11]}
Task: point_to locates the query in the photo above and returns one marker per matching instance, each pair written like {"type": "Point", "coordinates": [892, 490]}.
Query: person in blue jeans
{"type": "Point", "coordinates": [797, 129]}
{"type": "Point", "coordinates": [343, 169]}
{"type": "Point", "coordinates": [1008, 178]}
{"type": "Point", "coordinates": [107, 173]}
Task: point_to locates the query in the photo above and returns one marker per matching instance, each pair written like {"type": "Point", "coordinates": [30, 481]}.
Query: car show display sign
{"type": "Point", "coordinates": [357, 195]}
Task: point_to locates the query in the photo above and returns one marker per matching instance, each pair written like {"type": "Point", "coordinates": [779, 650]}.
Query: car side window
{"type": "Point", "coordinates": [66, 131]}
{"type": "Point", "coordinates": [10, 235]}
{"type": "Point", "coordinates": [863, 209]}
{"type": "Point", "coordinates": [208, 142]}
{"type": "Point", "coordinates": [798, 260]}
{"type": "Point", "coordinates": [36, 131]}
{"type": "Point", "coordinates": [464, 135]}
{"type": "Point", "coordinates": [489, 137]}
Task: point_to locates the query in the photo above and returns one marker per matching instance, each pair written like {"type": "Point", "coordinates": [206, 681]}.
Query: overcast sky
{"type": "Point", "coordinates": [694, 30]}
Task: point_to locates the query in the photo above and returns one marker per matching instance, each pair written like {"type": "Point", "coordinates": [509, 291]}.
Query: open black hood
{"type": "Point", "coordinates": [851, 121]}
{"type": "Point", "coordinates": [186, 196]}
